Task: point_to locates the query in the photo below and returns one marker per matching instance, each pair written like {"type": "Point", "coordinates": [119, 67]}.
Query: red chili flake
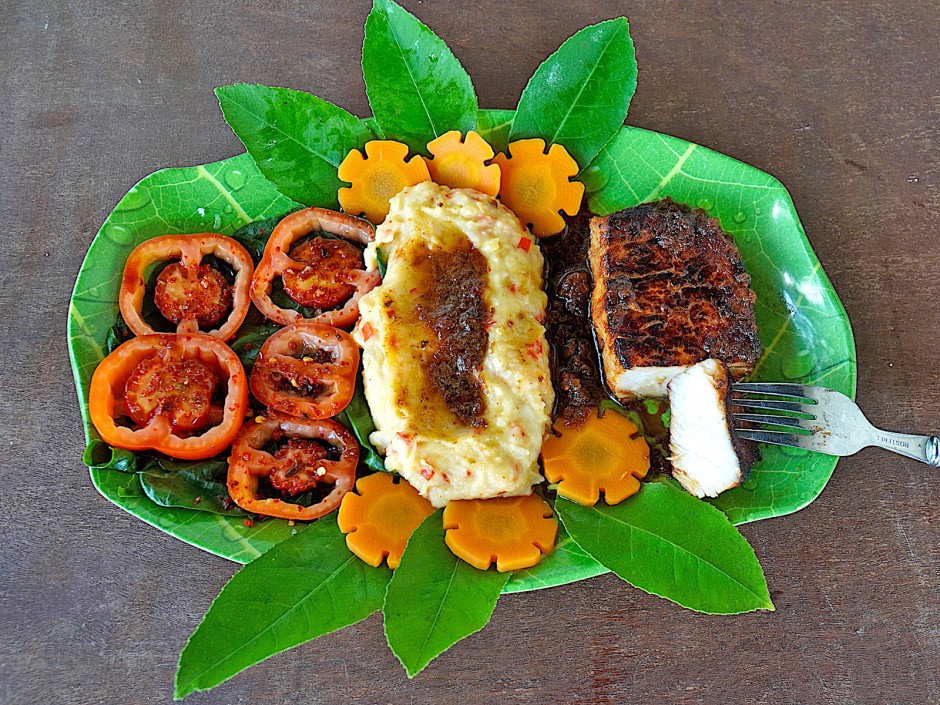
{"type": "Point", "coordinates": [249, 523]}
{"type": "Point", "coordinates": [197, 500]}
{"type": "Point", "coordinates": [534, 349]}
{"type": "Point", "coordinates": [367, 331]}
{"type": "Point", "coordinates": [427, 473]}
{"type": "Point", "coordinates": [249, 346]}
{"type": "Point", "coordinates": [524, 244]}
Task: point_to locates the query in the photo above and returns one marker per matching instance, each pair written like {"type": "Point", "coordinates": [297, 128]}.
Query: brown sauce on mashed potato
{"type": "Point", "coordinates": [456, 312]}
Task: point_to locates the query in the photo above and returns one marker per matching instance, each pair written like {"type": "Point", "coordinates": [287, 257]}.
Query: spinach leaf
{"type": "Point", "coordinates": [296, 139]}
{"type": "Point", "coordinates": [254, 236]}
{"type": "Point", "coordinates": [99, 455]}
{"type": "Point", "coordinates": [668, 543]}
{"type": "Point", "coordinates": [435, 599]}
{"type": "Point", "coordinates": [190, 484]}
{"type": "Point", "coordinates": [579, 96]}
{"type": "Point", "coordinates": [303, 588]}
{"type": "Point", "coordinates": [416, 86]}
{"type": "Point", "coordinates": [357, 418]}
{"type": "Point", "coordinates": [250, 337]}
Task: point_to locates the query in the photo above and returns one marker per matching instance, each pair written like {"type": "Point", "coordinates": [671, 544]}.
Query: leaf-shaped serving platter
{"type": "Point", "coordinates": [803, 326]}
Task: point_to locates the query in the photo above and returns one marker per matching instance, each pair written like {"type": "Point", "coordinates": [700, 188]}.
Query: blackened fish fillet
{"type": "Point", "coordinates": [670, 290]}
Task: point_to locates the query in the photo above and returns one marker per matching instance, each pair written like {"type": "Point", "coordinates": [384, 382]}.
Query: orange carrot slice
{"type": "Point", "coordinates": [600, 456]}
{"type": "Point", "coordinates": [535, 185]}
{"type": "Point", "coordinates": [375, 178]}
{"type": "Point", "coordinates": [462, 163]}
{"type": "Point", "coordinates": [379, 518]}
{"type": "Point", "coordinates": [513, 532]}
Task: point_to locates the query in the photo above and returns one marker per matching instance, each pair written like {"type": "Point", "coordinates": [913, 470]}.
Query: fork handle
{"type": "Point", "coordinates": [926, 449]}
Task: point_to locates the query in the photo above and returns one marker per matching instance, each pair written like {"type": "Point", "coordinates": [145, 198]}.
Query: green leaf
{"type": "Point", "coordinates": [199, 485]}
{"type": "Point", "coordinates": [99, 455]}
{"type": "Point", "coordinates": [435, 599]}
{"type": "Point", "coordinates": [301, 589]}
{"type": "Point", "coordinates": [357, 417]}
{"type": "Point", "coordinates": [668, 543]}
{"type": "Point", "coordinates": [416, 86]}
{"type": "Point", "coordinates": [579, 96]}
{"type": "Point", "coordinates": [297, 140]}
{"type": "Point", "coordinates": [567, 563]}
{"type": "Point", "coordinates": [804, 329]}
{"type": "Point", "coordinates": [493, 126]}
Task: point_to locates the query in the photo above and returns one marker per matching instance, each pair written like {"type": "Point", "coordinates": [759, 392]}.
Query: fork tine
{"type": "Point", "coordinates": [773, 419]}
{"type": "Point", "coordinates": [786, 389]}
{"type": "Point", "coordinates": [779, 438]}
{"type": "Point", "coordinates": [773, 404]}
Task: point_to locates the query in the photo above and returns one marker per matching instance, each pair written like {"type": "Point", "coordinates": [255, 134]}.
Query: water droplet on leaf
{"type": "Point", "coordinates": [135, 198]}
{"type": "Point", "coordinates": [798, 366]}
{"type": "Point", "coordinates": [235, 178]}
{"type": "Point", "coordinates": [120, 234]}
{"type": "Point", "coordinates": [740, 217]}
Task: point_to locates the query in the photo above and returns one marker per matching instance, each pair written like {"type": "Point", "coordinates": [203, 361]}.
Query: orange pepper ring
{"type": "Point", "coordinates": [248, 463]}
{"type": "Point", "coordinates": [276, 260]}
{"type": "Point", "coordinates": [111, 375]}
{"type": "Point", "coordinates": [189, 249]}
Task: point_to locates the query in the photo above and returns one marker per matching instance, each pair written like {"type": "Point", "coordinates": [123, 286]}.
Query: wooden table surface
{"type": "Point", "coordinates": [839, 99]}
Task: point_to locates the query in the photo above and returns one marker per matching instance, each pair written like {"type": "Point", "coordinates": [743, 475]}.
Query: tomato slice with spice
{"type": "Point", "coordinates": [307, 370]}
{"type": "Point", "coordinates": [309, 456]}
{"type": "Point", "coordinates": [189, 293]}
{"type": "Point", "coordinates": [185, 395]}
{"type": "Point", "coordinates": [315, 275]}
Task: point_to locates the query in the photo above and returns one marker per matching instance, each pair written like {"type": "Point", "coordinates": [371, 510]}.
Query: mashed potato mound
{"type": "Point", "coordinates": [455, 361]}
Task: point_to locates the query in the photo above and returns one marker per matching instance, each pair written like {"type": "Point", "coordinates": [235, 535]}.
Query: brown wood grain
{"type": "Point", "coordinates": [839, 99]}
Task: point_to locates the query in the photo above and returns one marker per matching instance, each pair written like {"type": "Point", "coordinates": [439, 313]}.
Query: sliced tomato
{"type": "Point", "coordinates": [320, 283]}
{"type": "Point", "coordinates": [192, 292]}
{"type": "Point", "coordinates": [305, 449]}
{"type": "Point", "coordinates": [189, 296]}
{"type": "Point", "coordinates": [307, 370]}
{"type": "Point", "coordinates": [279, 261]}
{"type": "Point", "coordinates": [180, 390]}
{"type": "Point", "coordinates": [155, 392]}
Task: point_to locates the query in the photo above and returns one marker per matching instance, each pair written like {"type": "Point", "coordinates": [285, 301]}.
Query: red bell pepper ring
{"type": "Point", "coordinates": [249, 464]}
{"type": "Point", "coordinates": [151, 378]}
{"type": "Point", "coordinates": [276, 261]}
{"type": "Point", "coordinates": [189, 250]}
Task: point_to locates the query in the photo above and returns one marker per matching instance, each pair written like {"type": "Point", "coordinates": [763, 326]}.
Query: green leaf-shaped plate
{"type": "Point", "coordinates": [802, 324]}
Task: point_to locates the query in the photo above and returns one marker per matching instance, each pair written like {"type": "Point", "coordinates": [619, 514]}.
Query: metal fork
{"type": "Point", "coordinates": [818, 419]}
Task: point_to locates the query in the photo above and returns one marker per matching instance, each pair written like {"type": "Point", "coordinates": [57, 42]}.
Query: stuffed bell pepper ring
{"type": "Point", "coordinates": [324, 273]}
{"type": "Point", "coordinates": [185, 395]}
{"type": "Point", "coordinates": [292, 468]}
{"type": "Point", "coordinates": [194, 291]}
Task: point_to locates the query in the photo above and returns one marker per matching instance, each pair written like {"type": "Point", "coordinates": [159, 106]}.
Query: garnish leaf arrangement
{"type": "Point", "coordinates": [660, 540]}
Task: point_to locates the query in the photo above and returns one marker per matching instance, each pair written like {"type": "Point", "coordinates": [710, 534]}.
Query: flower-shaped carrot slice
{"type": "Point", "coordinates": [379, 520]}
{"type": "Point", "coordinates": [462, 163]}
{"type": "Point", "coordinates": [535, 186]}
{"type": "Point", "coordinates": [513, 532]}
{"type": "Point", "coordinates": [375, 178]}
{"type": "Point", "coordinates": [601, 456]}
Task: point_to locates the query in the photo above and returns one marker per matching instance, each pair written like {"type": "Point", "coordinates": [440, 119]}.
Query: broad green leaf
{"type": "Point", "coordinates": [579, 96]}
{"type": "Point", "coordinates": [297, 140]}
{"type": "Point", "coordinates": [435, 599]}
{"type": "Point", "coordinates": [301, 589]}
{"type": "Point", "coordinates": [567, 563]}
{"type": "Point", "coordinates": [416, 86]}
{"type": "Point", "coordinates": [806, 334]}
{"type": "Point", "coordinates": [668, 543]}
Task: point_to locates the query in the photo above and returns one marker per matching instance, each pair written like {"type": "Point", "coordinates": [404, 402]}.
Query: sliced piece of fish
{"type": "Point", "coordinates": [706, 457]}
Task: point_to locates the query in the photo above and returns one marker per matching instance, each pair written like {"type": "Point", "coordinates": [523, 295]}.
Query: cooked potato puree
{"type": "Point", "coordinates": [455, 361]}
